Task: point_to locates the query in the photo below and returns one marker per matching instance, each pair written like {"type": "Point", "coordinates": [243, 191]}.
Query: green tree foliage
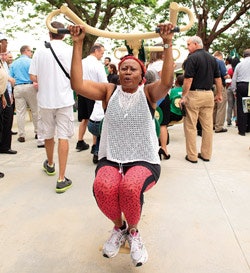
{"type": "Point", "coordinates": [113, 15]}
{"type": "Point", "coordinates": [222, 23]}
{"type": "Point", "coordinates": [239, 41]}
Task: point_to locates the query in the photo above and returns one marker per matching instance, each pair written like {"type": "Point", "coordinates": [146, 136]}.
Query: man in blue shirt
{"type": "Point", "coordinates": [25, 92]}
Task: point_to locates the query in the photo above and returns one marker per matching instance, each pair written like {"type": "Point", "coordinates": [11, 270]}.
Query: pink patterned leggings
{"type": "Point", "coordinates": [116, 193]}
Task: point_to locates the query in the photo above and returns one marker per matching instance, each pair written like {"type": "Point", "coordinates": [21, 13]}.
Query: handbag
{"type": "Point", "coordinates": [48, 45]}
{"type": "Point", "coordinates": [246, 101]}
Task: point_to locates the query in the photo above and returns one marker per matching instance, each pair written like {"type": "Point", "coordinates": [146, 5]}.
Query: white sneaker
{"type": "Point", "coordinates": [113, 244]}
{"type": "Point", "coordinates": [138, 252]}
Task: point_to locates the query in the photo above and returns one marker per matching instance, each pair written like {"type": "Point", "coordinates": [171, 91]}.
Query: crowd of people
{"type": "Point", "coordinates": [117, 104]}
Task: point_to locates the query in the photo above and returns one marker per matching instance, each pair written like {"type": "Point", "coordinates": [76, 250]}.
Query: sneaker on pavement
{"type": "Point", "coordinates": [49, 170]}
{"type": "Point", "coordinates": [138, 252]}
{"type": "Point", "coordinates": [112, 245]}
{"type": "Point", "coordinates": [82, 145]}
{"type": "Point", "coordinates": [64, 185]}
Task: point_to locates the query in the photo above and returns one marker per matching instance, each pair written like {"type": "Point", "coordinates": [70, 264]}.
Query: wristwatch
{"type": "Point", "coordinates": [167, 45]}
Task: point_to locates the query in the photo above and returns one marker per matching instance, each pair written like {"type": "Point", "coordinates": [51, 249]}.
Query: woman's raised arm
{"type": "Point", "coordinates": [160, 88]}
{"type": "Point", "coordinates": [89, 89]}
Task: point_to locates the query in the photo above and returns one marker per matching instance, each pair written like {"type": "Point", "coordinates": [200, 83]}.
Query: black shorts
{"type": "Point", "coordinates": [174, 117]}
{"type": "Point", "coordinates": [85, 107]}
{"type": "Point", "coordinates": [165, 107]}
{"type": "Point", "coordinates": [154, 168]}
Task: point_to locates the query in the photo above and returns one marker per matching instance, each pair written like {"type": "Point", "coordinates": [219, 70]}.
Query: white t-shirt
{"type": "Point", "coordinates": [98, 112]}
{"type": "Point", "coordinates": [93, 69]}
{"type": "Point", "coordinates": [156, 67]}
{"type": "Point", "coordinates": [54, 90]}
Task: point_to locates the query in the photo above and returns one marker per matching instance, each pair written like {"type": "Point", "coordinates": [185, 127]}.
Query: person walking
{"type": "Point", "coordinates": [220, 108]}
{"type": "Point", "coordinates": [128, 162]}
{"type": "Point", "coordinates": [93, 71]}
{"type": "Point", "coordinates": [9, 61]}
{"type": "Point", "coordinates": [231, 98]}
{"type": "Point", "coordinates": [113, 76]}
{"type": "Point", "coordinates": [176, 113]}
{"type": "Point", "coordinates": [200, 72]}
{"type": "Point", "coordinates": [241, 85]}
{"type": "Point", "coordinates": [24, 91]}
{"type": "Point", "coordinates": [94, 127]}
{"type": "Point", "coordinates": [3, 84]}
{"type": "Point", "coordinates": [107, 61]}
{"type": "Point", "coordinates": [55, 100]}
{"type": "Point", "coordinates": [7, 109]}
{"type": "Point", "coordinates": [155, 65]}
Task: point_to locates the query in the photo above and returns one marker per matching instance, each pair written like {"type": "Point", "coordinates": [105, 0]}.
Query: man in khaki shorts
{"type": "Point", "coordinates": [55, 100]}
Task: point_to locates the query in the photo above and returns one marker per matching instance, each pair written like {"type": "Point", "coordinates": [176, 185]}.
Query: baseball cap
{"type": "Point", "coordinates": [3, 36]}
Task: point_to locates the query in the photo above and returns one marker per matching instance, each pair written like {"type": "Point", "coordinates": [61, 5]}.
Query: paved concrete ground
{"type": "Point", "coordinates": [195, 220]}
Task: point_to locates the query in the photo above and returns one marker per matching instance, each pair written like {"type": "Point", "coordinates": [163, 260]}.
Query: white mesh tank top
{"type": "Point", "coordinates": [128, 129]}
